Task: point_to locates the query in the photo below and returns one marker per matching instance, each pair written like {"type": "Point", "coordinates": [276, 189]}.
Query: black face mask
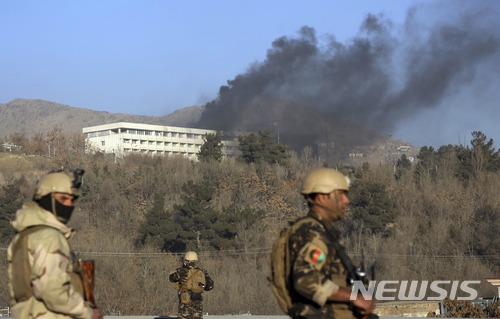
{"type": "Point", "coordinates": [62, 212]}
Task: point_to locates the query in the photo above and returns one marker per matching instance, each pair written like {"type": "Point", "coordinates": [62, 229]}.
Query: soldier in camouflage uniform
{"type": "Point", "coordinates": [44, 279]}
{"type": "Point", "coordinates": [319, 279]}
{"type": "Point", "coordinates": [190, 281]}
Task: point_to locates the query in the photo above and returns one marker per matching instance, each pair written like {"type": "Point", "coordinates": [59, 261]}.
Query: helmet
{"type": "Point", "coordinates": [55, 183]}
{"type": "Point", "coordinates": [324, 181]}
{"type": "Point", "coordinates": [58, 182]}
{"type": "Point", "coordinates": [191, 256]}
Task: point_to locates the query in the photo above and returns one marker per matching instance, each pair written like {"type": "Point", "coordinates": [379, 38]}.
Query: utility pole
{"type": "Point", "coordinates": [278, 128]}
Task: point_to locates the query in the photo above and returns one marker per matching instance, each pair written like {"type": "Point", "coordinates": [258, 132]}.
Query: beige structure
{"type": "Point", "coordinates": [124, 138]}
{"type": "Point", "coordinates": [407, 308]}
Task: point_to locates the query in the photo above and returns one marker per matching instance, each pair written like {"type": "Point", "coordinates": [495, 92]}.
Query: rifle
{"type": "Point", "coordinates": [87, 276]}
{"type": "Point", "coordinates": [354, 274]}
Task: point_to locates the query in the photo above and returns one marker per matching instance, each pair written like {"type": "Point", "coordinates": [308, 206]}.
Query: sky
{"type": "Point", "coordinates": [433, 67]}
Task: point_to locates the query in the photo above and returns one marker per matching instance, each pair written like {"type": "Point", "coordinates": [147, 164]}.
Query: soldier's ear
{"type": "Point", "coordinates": [322, 198]}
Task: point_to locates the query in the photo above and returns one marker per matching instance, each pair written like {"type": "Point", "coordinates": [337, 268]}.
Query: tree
{"type": "Point", "coordinates": [195, 225]}
{"type": "Point", "coordinates": [9, 203]}
{"type": "Point", "coordinates": [372, 205]}
{"type": "Point", "coordinates": [404, 162]}
{"type": "Point", "coordinates": [262, 148]}
{"type": "Point", "coordinates": [211, 149]}
{"type": "Point", "coordinates": [159, 229]}
{"type": "Point", "coordinates": [196, 215]}
{"type": "Point", "coordinates": [38, 144]}
{"type": "Point", "coordinates": [249, 147]}
{"type": "Point", "coordinates": [403, 165]}
{"type": "Point", "coordinates": [480, 157]}
{"type": "Point", "coordinates": [229, 223]}
{"type": "Point", "coordinates": [20, 139]}
{"type": "Point", "coordinates": [66, 149]}
{"type": "Point", "coordinates": [484, 156]}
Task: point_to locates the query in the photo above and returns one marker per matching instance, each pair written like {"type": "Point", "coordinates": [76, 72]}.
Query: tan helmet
{"type": "Point", "coordinates": [55, 183]}
{"type": "Point", "coordinates": [191, 256]}
{"type": "Point", "coordinates": [324, 181]}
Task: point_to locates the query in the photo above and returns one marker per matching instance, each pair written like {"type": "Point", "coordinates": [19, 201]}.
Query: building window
{"type": "Point", "coordinates": [150, 143]}
{"type": "Point", "coordinates": [135, 141]}
{"type": "Point", "coordinates": [143, 142]}
{"type": "Point", "coordinates": [103, 143]}
{"type": "Point", "coordinates": [159, 143]}
{"type": "Point", "coordinates": [103, 133]}
{"type": "Point", "coordinates": [189, 135]}
{"type": "Point", "coordinates": [93, 134]}
{"type": "Point", "coordinates": [126, 141]}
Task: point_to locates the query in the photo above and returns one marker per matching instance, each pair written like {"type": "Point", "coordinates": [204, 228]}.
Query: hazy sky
{"type": "Point", "coordinates": [153, 57]}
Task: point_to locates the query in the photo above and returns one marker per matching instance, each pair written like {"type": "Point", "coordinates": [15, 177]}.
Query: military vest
{"type": "Point", "coordinates": [339, 275]}
{"type": "Point", "coordinates": [21, 268]}
{"type": "Point", "coordinates": [195, 281]}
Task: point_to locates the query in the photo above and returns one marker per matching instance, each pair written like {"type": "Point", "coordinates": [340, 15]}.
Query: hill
{"type": "Point", "coordinates": [23, 115]}
{"type": "Point", "coordinates": [331, 138]}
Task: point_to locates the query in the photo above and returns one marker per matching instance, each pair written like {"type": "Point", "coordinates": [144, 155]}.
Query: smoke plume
{"type": "Point", "coordinates": [385, 74]}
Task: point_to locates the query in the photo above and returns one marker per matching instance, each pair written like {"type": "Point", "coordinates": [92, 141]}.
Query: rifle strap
{"type": "Point", "coordinates": [347, 262]}
{"type": "Point", "coordinates": [344, 258]}
{"type": "Point", "coordinates": [192, 275]}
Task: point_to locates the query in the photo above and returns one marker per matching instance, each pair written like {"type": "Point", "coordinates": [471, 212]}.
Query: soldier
{"type": "Point", "coordinates": [320, 285]}
{"type": "Point", "coordinates": [190, 282]}
{"type": "Point", "coordinates": [44, 278]}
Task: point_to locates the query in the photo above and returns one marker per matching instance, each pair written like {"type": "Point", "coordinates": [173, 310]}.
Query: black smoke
{"type": "Point", "coordinates": [383, 75]}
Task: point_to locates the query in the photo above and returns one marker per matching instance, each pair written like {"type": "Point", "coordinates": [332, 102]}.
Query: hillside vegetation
{"type": "Point", "coordinates": [437, 219]}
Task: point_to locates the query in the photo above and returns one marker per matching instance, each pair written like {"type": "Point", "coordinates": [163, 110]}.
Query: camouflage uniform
{"type": "Point", "coordinates": [317, 272]}
{"type": "Point", "coordinates": [194, 308]}
{"type": "Point", "coordinates": [52, 269]}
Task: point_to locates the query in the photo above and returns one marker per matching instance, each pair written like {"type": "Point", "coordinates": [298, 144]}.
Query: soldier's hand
{"type": "Point", "coordinates": [366, 305]}
{"type": "Point", "coordinates": [97, 314]}
{"type": "Point", "coordinates": [183, 274]}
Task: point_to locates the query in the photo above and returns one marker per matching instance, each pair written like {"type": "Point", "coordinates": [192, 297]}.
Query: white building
{"type": "Point", "coordinates": [123, 138]}
{"type": "Point", "coordinates": [9, 147]}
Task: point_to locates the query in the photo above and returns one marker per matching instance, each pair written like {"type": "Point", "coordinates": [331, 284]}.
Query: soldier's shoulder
{"type": "Point", "coordinates": [47, 232]}
{"type": "Point", "coordinates": [306, 226]}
